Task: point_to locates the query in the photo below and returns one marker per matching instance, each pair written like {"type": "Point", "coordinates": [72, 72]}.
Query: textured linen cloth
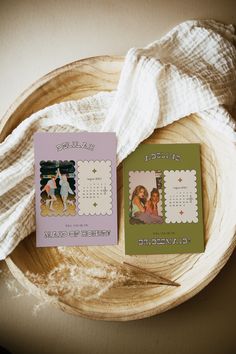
{"type": "Point", "coordinates": [189, 70]}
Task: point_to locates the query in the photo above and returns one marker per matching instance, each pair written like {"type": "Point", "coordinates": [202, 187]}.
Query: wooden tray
{"type": "Point", "coordinates": [192, 271]}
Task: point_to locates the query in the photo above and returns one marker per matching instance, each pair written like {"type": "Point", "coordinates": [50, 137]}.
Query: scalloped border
{"type": "Point", "coordinates": [111, 196]}
{"type": "Point", "coordinates": [52, 212]}
{"type": "Point", "coordinates": [195, 194]}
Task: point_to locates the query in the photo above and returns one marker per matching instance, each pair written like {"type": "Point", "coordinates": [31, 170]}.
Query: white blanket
{"type": "Point", "coordinates": [189, 70]}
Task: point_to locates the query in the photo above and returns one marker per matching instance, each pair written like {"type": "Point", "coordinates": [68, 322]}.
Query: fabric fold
{"type": "Point", "coordinates": [191, 69]}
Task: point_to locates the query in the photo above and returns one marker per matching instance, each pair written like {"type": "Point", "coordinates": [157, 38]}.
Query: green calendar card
{"type": "Point", "coordinates": [163, 210]}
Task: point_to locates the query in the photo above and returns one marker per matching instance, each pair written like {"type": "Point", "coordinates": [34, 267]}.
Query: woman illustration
{"type": "Point", "coordinates": [65, 189]}
{"type": "Point", "coordinates": [151, 207]}
{"type": "Point", "coordinates": [50, 188]}
{"type": "Point", "coordinates": [138, 200]}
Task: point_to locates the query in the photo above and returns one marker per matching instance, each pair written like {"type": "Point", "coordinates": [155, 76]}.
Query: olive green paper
{"type": "Point", "coordinates": [171, 237]}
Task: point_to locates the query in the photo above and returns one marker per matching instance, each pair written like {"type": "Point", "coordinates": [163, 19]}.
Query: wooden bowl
{"type": "Point", "coordinates": [192, 271]}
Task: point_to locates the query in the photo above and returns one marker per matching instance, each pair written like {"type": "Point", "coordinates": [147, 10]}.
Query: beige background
{"type": "Point", "coordinates": [35, 38]}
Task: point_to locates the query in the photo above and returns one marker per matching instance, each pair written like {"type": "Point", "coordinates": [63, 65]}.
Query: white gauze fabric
{"type": "Point", "coordinates": [189, 70]}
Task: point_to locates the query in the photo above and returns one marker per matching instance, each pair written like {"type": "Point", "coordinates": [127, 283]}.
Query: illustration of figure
{"type": "Point", "coordinates": [151, 207]}
{"type": "Point", "coordinates": [138, 200]}
{"type": "Point", "coordinates": [50, 188]}
{"type": "Point", "coordinates": [65, 189]}
{"type": "Point", "coordinates": [143, 211]}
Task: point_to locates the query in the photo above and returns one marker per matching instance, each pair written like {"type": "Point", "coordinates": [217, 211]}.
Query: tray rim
{"type": "Point", "coordinates": [7, 117]}
{"type": "Point", "coordinates": [37, 292]}
{"type": "Point", "coordinates": [6, 121]}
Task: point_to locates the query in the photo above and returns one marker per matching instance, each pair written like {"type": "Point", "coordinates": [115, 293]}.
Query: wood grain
{"type": "Point", "coordinates": [192, 271]}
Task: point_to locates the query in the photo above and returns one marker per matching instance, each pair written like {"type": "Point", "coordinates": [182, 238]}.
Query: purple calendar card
{"type": "Point", "coordinates": [75, 189]}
